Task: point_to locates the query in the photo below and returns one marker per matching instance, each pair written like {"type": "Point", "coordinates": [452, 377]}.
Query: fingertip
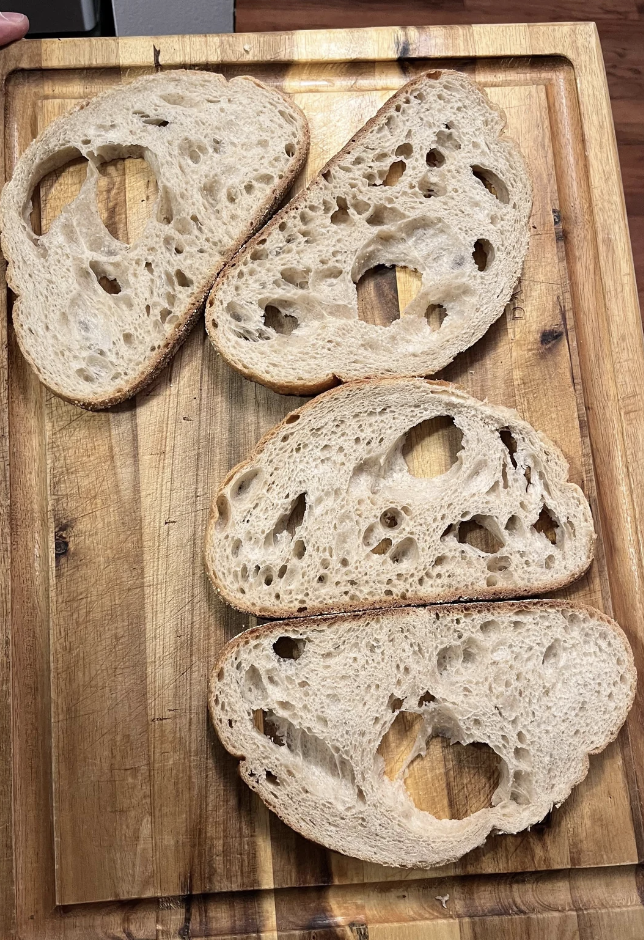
{"type": "Point", "coordinates": [12, 26]}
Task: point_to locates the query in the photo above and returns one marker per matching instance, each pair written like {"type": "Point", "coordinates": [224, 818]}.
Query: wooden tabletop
{"type": "Point", "coordinates": [70, 566]}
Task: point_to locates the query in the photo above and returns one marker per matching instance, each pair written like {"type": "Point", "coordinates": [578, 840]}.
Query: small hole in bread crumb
{"type": "Point", "coordinates": [223, 511]}
{"type": "Point", "coordinates": [483, 254]}
{"type": "Point", "coordinates": [394, 173]}
{"type": "Point", "coordinates": [475, 532]}
{"type": "Point", "coordinates": [382, 547]}
{"type": "Point", "coordinates": [291, 520]}
{"type": "Point", "coordinates": [182, 278]}
{"type": "Point", "coordinates": [522, 787]}
{"type": "Point", "coordinates": [509, 443]}
{"type": "Point", "coordinates": [391, 518]}
{"type": "Point", "coordinates": [245, 483]}
{"type": "Point", "coordinates": [435, 314]}
{"type": "Point", "coordinates": [289, 647]}
{"type": "Point", "coordinates": [109, 284]}
{"type": "Point", "coordinates": [493, 183]}
{"type": "Point", "coordinates": [278, 321]}
{"type": "Point", "coordinates": [547, 525]}
{"type": "Point", "coordinates": [435, 157]}
{"type": "Point", "coordinates": [405, 552]}
{"type": "Point", "coordinates": [341, 216]}
{"type": "Point", "coordinates": [269, 724]}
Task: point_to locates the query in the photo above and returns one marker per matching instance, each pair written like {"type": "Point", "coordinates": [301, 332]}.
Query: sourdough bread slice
{"type": "Point", "coordinates": [326, 514]}
{"type": "Point", "coordinates": [98, 318]}
{"type": "Point", "coordinates": [284, 312]}
{"type": "Point", "coordinates": [542, 683]}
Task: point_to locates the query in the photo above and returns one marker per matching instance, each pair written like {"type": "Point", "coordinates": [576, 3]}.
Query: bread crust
{"type": "Point", "coordinates": [195, 305]}
{"type": "Point", "coordinates": [298, 201]}
{"type": "Point", "coordinates": [489, 594]}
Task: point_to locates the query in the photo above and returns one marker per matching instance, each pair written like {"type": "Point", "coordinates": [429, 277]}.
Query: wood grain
{"type": "Point", "coordinates": [166, 501]}
{"type": "Point", "coordinates": [144, 799]}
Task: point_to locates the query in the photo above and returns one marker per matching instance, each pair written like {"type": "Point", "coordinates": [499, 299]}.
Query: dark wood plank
{"type": "Point", "coordinates": [633, 178]}
{"type": "Point", "coordinates": [636, 226]}
{"type": "Point", "coordinates": [623, 49]}
{"type": "Point", "coordinates": [255, 15]}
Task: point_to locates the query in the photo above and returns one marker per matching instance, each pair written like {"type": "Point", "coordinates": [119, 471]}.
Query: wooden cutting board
{"type": "Point", "coordinates": [117, 788]}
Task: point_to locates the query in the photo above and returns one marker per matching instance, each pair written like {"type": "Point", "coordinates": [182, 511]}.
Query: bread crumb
{"type": "Point", "coordinates": [339, 444]}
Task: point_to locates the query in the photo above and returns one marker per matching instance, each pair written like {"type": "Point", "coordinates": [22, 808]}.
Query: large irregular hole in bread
{"type": "Point", "coordinates": [384, 293]}
{"type": "Point", "coordinates": [431, 448]}
{"type": "Point", "coordinates": [431, 186]}
{"type": "Point", "coordinates": [406, 737]}
{"type": "Point", "coordinates": [119, 216]}
{"type": "Point", "coordinates": [126, 193]}
{"type": "Point", "coordinates": [447, 779]}
{"type": "Point", "coordinates": [56, 189]}
{"type": "Point", "coordinates": [385, 492]}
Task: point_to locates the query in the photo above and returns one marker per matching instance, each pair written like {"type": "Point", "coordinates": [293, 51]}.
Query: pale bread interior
{"type": "Point", "coordinates": [306, 705]}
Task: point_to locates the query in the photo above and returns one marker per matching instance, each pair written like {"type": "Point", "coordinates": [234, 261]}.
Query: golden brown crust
{"type": "Point", "coordinates": [331, 380]}
{"type": "Point", "coordinates": [489, 593]}
{"type": "Point", "coordinates": [195, 305]}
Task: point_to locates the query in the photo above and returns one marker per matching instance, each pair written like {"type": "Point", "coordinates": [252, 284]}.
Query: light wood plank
{"type": "Point", "coordinates": [101, 773]}
{"type": "Point", "coordinates": [440, 930]}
